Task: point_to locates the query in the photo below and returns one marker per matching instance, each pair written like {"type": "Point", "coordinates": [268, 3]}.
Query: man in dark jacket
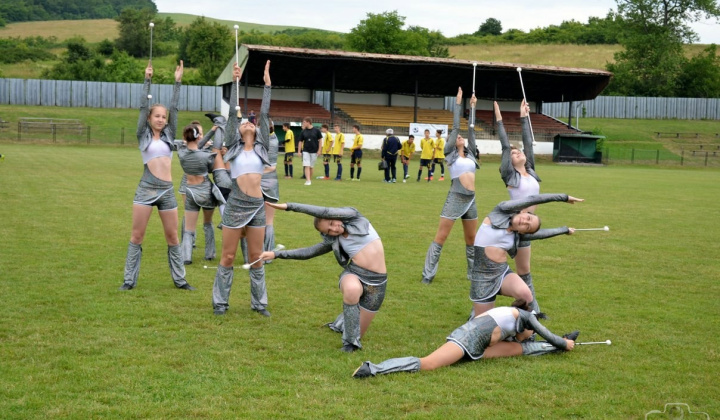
{"type": "Point", "coordinates": [308, 145]}
{"type": "Point", "coordinates": [390, 150]}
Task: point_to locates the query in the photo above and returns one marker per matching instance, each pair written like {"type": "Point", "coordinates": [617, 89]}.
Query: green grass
{"type": "Point", "coordinates": [184, 19]}
{"type": "Point", "coordinates": [73, 346]}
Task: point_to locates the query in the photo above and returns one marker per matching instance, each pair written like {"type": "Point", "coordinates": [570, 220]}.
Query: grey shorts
{"type": "Point", "coordinates": [270, 187]}
{"type": "Point", "coordinates": [309, 159]}
{"type": "Point", "coordinates": [487, 277]}
{"type": "Point", "coordinates": [243, 210]}
{"type": "Point", "coordinates": [203, 196]}
{"type": "Point", "coordinates": [474, 336]}
{"type": "Point", "coordinates": [459, 206]}
{"type": "Point", "coordinates": [374, 285]}
{"type": "Point", "coordinates": [152, 191]}
{"type": "Point", "coordinates": [183, 184]}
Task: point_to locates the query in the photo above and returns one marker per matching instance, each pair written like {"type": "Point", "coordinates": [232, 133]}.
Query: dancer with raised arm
{"type": "Point", "coordinates": [156, 141]}
{"type": "Point", "coordinates": [460, 202]}
{"type": "Point", "coordinates": [244, 214]}
{"type": "Point", "coordinates": [482, 337]}
{"type": "Point", "coordinates": [359, 251]}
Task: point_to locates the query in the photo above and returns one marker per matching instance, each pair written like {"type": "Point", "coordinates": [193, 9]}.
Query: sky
{"type": "Point", "coordinates": [451, 17]}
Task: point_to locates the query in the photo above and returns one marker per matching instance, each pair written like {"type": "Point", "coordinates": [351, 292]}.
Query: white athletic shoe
{"type": "Point", "coordinates": [404, 180]}
{"type": "Point", "coordinates": [308, 183]}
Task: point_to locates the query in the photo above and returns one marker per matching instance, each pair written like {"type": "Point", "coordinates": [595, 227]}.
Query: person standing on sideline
{"type": "Point", "coordinates": [337, 151]}
{"type": "Point", "coordinates": [327, 147]}
{"type": "Point", "coordinates": [356, 156]}
{"type": "Point", "coordinates": [389, 152]}
{"type": "Point", "coordinates": [289, 149]}
{"type": "Point", "coordinates": [427, 153]}
{"type": "Point", "coordinates": [439, 157]}
{"type": "Point", "coordinates": [406, 152]}
{"type": "Point", "coordinates": [308, 146]}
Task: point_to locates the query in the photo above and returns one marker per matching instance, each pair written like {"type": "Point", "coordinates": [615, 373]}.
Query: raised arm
{"type": "Point", "coordinates": [545, 233]}
{"type": "Point", "coordinates": [264, 120]}
{"type": "Point", "coordinates": [512, 206]}
{"type": "Point", "coordinates": [451, 142]}
{"type": "Point", "coordinates": [207, 137]}
{"type": "Point", "coordinates": [144, 100]}
{"type": "Point", "coordinates": [527, 320]}
{"type": "Point", "coordinates": [231, 128]}
{"type": "Point", "coordinates": [307, 252]}
{"type": "Point", "coordinates": [506, 167]}
{"type": "Point", "coordinates": [337, 213]}
{"type": "Point", "coordinates": [527, 137]}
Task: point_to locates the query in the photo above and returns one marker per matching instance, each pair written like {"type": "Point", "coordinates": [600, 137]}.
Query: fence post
{"type": "Point", "coordinates": [682, 155]}
{"type": "Point", "coordinates": [706, 156]}
{"type": "Point", "coordinates": [88, 134]}
{"type": "Point", "coordinates": [52, 127]}
{"type": "Point", "coordinates": [122, 136]}
{"type": "Point", "coordinates": [632, 156]}
{"type": "Point", "coordinates": [657, 157]}
{"type": "Point", "coordinates": [19, 131]}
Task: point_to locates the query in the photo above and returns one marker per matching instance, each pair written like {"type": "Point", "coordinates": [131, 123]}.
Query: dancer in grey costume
{"type": "Point", "coordinates": [271, 189]}
{"type": "Point", "coordinates": [359, 251]}
{"type": "Point", "coordinates": [156, 135]}
{"type": "Point", "coordinates": [482, 337]}
{"type": "Point", "coordinates": [244, 214]}
{"type": "Point", "coordinates": [498, 236]}
{"type": "Point", "coordinates": [460, 202]}
{"type": "Point", "coordinates": [517, 170]}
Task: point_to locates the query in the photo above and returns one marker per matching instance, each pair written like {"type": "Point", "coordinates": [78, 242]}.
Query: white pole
{"type": "Point", "coordinates": [472, 108]}
{"type": "Point", "coordinates": [152, 25]}
{"type": "Point", "coordinates": [237, 62]}
{"type": "Point", "coordinates": [532, 134]}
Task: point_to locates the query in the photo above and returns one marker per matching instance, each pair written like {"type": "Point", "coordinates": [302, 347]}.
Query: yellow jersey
{"type": "Point", "coordinates": [339, 144]}
{"type": "Point", "coordinates": [289, 142]}
{"type": "Point", "coordinates": [407, 149]}
{"type": "Point", "coordinates": [357, 142]}
{"type": "Point", "coordinates": [439, 148]}
{"type": "Point", "coordinates": [427, 146]}
{"type": "Point", "coordinates": [327, 144]}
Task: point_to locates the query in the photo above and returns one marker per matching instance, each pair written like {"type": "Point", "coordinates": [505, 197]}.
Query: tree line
{"type": "Point", "coordinates": [39, 10]}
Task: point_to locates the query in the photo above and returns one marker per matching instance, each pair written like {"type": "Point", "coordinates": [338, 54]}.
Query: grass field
{"type": "Point", "coordinates": [73, 346]}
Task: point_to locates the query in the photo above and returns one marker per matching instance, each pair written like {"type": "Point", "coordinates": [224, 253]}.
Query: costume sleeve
{"type": "Point", "coordinates": [264, 120]}
{"type": "Point", "coordinates": [337, 213]}
{"type": "Point", "coordinates": [305, 253]}
{"type": "Point", "coordinates": [530, 322]}
{"type": "Point", "coordinates": [544, 234]}
{"type": "Point", "coordinates": [144, 110]}
{"type": "Point", "coordinates": [451, 142]}
{"type": "Point", "coordinates": [511, 206]}
{"type": "Point", "coordinates": [506, 168]}
{"type": "Point", "coordinates": [231, 128]}
{"type": "Point", "coordinates": [472, 145]}
{"type": "Point", "coordinates": [204, 140]}
{"type": "Point", "coordinates": [173, 118]}
{"type": "Point", "coordinates": [527, 141]}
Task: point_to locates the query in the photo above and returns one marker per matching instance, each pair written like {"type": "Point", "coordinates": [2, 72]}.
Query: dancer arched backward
{"type": "Point", "coordinates": [244, 214]}
{"type": "Point", "coordinates": [482, 337]}
{"type": "Point", "coordinates": [156, 141]}
{"type": "Point", "coordinates": [517, 169]}
{"type": "Point", "coordinates": [197, 161]}
{"type": "Point", "coordinates": [460, 202]}
{"type": "Point", "coordinates": [498, 236]}
{"type": "Point", "coordinates": [359, 251]}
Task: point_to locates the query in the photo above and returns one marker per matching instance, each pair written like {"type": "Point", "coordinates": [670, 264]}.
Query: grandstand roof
{"type": "Point", "coordinates": [397, 74]}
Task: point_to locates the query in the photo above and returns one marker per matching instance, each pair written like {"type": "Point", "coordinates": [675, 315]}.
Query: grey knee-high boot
{"type": "Point", "coordinates": [338, 325]}
{"type": "Point", "coordinates": [351, 326]}
{"type": "Point", "coordinates": [221, 289]}
{"type": "Point", "coordinates": [470, 256]}
{"type": "Point", "coordinates": [538, 348]}
{"type": "Point", "coordinates": [431, 262]}
{"type": "Point", "coordinates": [209, 241]}
{"type": "Point", "coordinates": [527, 278]}
{"type": "Point", "coordinates": [269, 238]}
{"type": "Point", "coordinates": [258, 289]}
{"type": "Point", "coordinates": [187, 246]}
{"type": "Point", "coordinates": [132, 266]}
{"type": "Point", "coordinates": [244, 250]}
{"type": "Point", "coordinates": [400, 364]}
{"type": "Point", "coordinates": [177, 268]}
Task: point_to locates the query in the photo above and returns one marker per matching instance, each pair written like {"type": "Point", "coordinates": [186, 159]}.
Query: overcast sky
{"type": "Point", "coordinates": [451, 17]}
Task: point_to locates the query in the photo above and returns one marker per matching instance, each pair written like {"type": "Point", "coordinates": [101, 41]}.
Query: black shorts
{"type": "Point", "coordinates": [288, 157]}
{"type": "Point", "coordinates": [337, 159]}
{"type": "Point", "coordinates": [326, 158]}
{"type": "Point", "coordinates": [425, 162]}
{"type": "Point", "coordinates": [356, 157]}
{"type": "Point", "coordinates": [439, 160]}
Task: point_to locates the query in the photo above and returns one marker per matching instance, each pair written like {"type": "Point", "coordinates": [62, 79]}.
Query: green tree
{"type": "Point", "coordinates": [491, 26]}
{"type": "Point", "coordinates": [207, 46]}
{"type": "Point", "coordinates": [134, 37]}
{"type": "Point", "coordinates": [379, 33]}
{"type": "Point", "coordinates": [700, 77]}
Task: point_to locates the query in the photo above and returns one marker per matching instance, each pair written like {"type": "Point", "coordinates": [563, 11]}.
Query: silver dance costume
{"type": "Point", "coordinates": [271, 189]}
{"type": "Point", "coordinates": [373, 283]}
{"type": "Point", "coordinates": [154, 191]}
{"type": "Point", "coordinates": [487, 275]}
{"type": "Point", "coordinates": [474, 338]}
{"type": "Point", "coordinates": [243, 210]}
{"type": "Point", "coordinates": [460, 202]}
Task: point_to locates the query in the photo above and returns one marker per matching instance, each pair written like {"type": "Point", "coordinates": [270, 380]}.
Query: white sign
{"type": "Point", "coordinates": [418, 129]}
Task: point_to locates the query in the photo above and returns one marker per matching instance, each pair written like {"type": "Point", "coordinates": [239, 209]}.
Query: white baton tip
{"type": "Point", "coordinates": [246, 266]}
{"type": "Point", "coordinates": [606, 228]}
{"type": "Point", "coordinates": [149, 96]}
{"type": "Point", "coordinates": [204, 266]}
{"type": "Point", "coordinates": [236, 27]}
{"type": "Point", "coordinates": [519, 69]}
{"type": "Point", "coordinates": [237, 107]}
{"type": "Point", "coordinates": [609, 342]}
{"type": "Point", "coordinates": [152, 24]}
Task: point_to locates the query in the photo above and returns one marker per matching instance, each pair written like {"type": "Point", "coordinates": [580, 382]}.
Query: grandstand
{"type": "Point", "coordinates": [291, 110]}
{"type": "Point", "coordinates": [398, 118]}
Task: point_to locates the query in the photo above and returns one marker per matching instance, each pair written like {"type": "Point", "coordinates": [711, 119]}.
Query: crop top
{"type": "Point", "coordinates": [156, 149]}
{"type": "Point", "coordinates": [505, 319]}
{"type": "Point", "coordinates": [528, 186]}
{"type": "Point", "coordinates": [247, 162]}
{"type": "Point", "coordinates": [461, 166]}
{"type": "Point", "coordinates": [498, 238]}
{"type": "Point", "coordinates": [355, 243]}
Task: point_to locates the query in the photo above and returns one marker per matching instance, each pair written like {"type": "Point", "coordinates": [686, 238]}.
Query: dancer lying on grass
{"type": "Point", "coordinates": [359, 251]}
{"type": "Point", "coordinates": [482, 337]}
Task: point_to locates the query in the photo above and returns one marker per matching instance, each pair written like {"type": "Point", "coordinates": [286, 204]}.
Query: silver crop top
{"type": "Point", "coordinates": [355, 243]}
{"type": "Point", "coordinates": [156, 149]}
{"type": "Point", "coordinates": [247, 162]}
{"type": "Point", "coordinates": [461, 166]}
{"type": "Point", "coordinates": [505, 319]}
{"type": "Point", "coordinates": [528, 186]}
{"type": "Point", "coordinates": [498, 238]}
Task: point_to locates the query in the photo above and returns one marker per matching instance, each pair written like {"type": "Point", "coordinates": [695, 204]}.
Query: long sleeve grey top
{"type": "Point", "coordinates": [501, 217]}
{"type": "Point", "coordinates": [509, 175]}
{"type": "Point", "coordinates": [527, 320]}
{"type": "Point", "coordinates": [451, 152]}
{"type": "Point", "coordinates": [144, 131]}
{"type": "Point", "coordinates": [195, 162]}
{"type": "Point", "coordinates": [234, 142]}
{"type": "Point", "coordinates": [354, 222]}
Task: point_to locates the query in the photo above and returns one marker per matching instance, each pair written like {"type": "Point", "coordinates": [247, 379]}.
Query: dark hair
{"type": "Point", "coordinates": [520, 304]}
{"type": "Point", "coordinates": [325, 126]}
{"type": "Point", "coordinates": [308, 119]}
{"type": "Point", "coordinates": [357, 127]}
{"type": "Point", "coordinates": [191, 133]}
{"type": "Point", "coordinates": [316, 223]}
{"type": "Point", "coordinates": [196, 122]}
{"type": "Point", "coordinates": [286, 125]}
{"type": "Point", "coordinates": [411, 136]}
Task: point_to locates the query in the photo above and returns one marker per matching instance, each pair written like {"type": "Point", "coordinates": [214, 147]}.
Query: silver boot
{"type": "Point", "coordinates": [527, 278]}
{"type": "Point", "coordinates": [538, 348]}
{"type": "Point", "coordinates": [132, 266]}
{"type": "Point", "coordinates": [258, 291]}
{"type": "Point", "coordinates": [221, 289]}
{"type": "Point", "coordinates": [431, 262]}
{"type": "Point", "coordinates": [338, 324]}
{"type": "Point", "coordinates": [269, 244]}
{"type": "Point", "coordinates": [209, 241]}
{"type": "Point", "coordinates": [400, 364]}
{"type": "Point", "coordinates": [351, 328]}
{"type": "Point", "coordinates": [177, 268]}
{"type": "Point", "coordinates": [187, 246]}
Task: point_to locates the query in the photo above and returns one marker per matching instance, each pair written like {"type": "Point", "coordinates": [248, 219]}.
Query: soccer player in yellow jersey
{"type": "Point", "coordinates": [327, 147]}
{"type": "Point", "coordinates": [289, 149]}
{"type": "Point", "coordinates": [427, 153]}
{"type": "Point", "coordinates": [406, 152]}
{"type": "Point", "coordinates": [356, 157]}
{"type": "Point", "coordinates": [439, 157]}
{"type": "Point", "coordinates": [337, 151]}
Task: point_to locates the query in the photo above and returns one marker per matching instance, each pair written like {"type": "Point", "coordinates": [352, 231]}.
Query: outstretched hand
{"type": "Point", "coordinates": [237, 72]}
{"type": "Point", "coordinates": [279, 206]}
{"type": "Point", "coordinates": [267, 256]}
{"type": "Point", "coordinates": [458, 98]}
{"type": "Point", "coordinates": [498, 115]}
{"type": "Point", "coordinates": [179, 72]}
{"type": "Point", "coordinates": [524, 109]}
{"type": "Point", "coordinates": [473, 100]}
{"type": "Point", "coordinates": [149, 70]}
{"type": "Point", "coordinates": [266, 75]}
{"type": "Point", "coordinates": [573, 200]}
{"type": "Point", "coordinates": [571, 231]}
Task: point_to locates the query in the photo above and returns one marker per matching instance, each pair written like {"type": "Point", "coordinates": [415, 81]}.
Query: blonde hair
{"type": "Point", "coordinates": [152, 108]}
